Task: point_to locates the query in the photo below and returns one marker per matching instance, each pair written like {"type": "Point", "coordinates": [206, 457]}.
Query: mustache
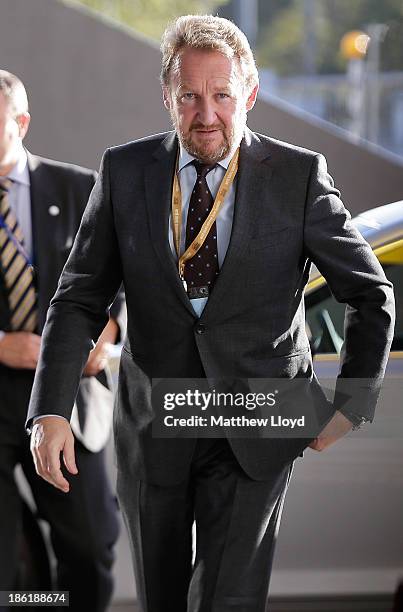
{"type": "Point", "coordinates": [206, 128]}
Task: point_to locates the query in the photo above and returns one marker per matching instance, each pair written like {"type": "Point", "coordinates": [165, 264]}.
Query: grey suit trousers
{"type": "Point", "coordinates": [237, 521]}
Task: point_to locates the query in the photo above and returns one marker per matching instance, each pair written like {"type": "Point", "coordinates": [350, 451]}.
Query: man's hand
{"type": "Point", "coordinates": [51, 436]}
{"type": "Point", "coordinates": [337, 427]}
{"type": "Point", "coordinates": [98, 357]}
{"type": "Point", "coordinates": [20, 350]}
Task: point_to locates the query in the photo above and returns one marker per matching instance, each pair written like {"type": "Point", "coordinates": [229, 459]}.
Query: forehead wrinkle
{"type": "Point", "coordinates": [232, 71]}
{"type": "Point", "coordinates": [214, 84]}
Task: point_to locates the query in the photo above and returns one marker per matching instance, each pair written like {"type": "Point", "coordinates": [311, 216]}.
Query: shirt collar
{"type": "Point", "coordinates": [185, 158]}
{"type": "Point", "coordinates": [20, 172]}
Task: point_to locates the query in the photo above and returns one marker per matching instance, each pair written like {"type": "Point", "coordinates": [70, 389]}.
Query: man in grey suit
{"type": "Point", "coordinates": [41, 204]}
{"type": "Point", "coordinates": [214, 251]}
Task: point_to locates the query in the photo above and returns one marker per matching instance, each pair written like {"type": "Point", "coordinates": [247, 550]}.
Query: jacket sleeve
{"type": "Point", "coordinates": [356, 278]}
{"type": "Point", "coordinates": [79, 310]}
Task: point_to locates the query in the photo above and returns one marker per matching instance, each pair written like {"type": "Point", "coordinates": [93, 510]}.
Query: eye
{"type": "Point", "coordinates": [188, 96]}
{"type": "Point", "coordinates": [222, 95]}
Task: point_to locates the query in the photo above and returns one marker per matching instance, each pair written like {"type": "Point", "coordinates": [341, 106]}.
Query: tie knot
{"type": "Point", "coordinates": [202, 169]}
{"type": "Point", "coordinates": [5, 184]}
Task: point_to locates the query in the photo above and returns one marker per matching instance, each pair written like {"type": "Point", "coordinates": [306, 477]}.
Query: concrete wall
{"type": "Point", "coordinates": [90, 85]}
{"type": "Point", "coordinates": [93, 85]}
{"type": "Point", "coordinates": [366, 175]}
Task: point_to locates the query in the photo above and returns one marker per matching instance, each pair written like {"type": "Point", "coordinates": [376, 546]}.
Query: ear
{"type": "Point", "coordinates": [250, 103]}
{"type": "Point", "coordinates": [166, 96]}
{"type": "Point", "coordinates": [23, 122]}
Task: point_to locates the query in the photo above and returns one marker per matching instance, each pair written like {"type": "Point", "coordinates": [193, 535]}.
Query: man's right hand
{"type": "Point", "coordinates": [52, 435]}
{"type": "Point", "coordinates": [20, 350]}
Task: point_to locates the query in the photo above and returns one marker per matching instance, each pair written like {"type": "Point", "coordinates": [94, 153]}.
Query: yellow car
{"type": "Point", "coordinates": [382, 227]}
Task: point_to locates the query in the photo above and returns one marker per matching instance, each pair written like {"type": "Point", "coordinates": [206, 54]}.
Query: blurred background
{"type": "Point", "coordinates": [331, 76]}
{"type": "Point", "coordinates": [340, 60]}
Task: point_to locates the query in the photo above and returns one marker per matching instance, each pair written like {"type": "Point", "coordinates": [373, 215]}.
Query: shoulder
{"type": "Point", "coordinates": [141, 150]}
{"type": "Point", "coordinates": [59, 171]}
{"type": "Point", "coordinates": [280, 149]}
{"type": "Point", "coordinates": [286, 158]}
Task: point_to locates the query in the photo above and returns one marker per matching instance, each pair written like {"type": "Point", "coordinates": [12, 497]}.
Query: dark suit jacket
{"type": "Point", "coordinates": [287, 214]}
{"type": "Point", "coordinates": [66, 188]}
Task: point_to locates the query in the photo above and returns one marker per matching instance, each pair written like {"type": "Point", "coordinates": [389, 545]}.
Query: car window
{"type": "Point", "coordinates": [325, 316]}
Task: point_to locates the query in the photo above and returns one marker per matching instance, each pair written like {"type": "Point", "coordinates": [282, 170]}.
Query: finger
{"type": "Point", "coordinates": [35, 444]}
{"type": "Point", "coordinates": [99, 365]}
{"type": "Point", "coordinates": [324, 443]}
{"type": "Point", "coordinates": [91, 357]}
{"type": "Point", "coordinates": [69, 456]}
{"type": "Point", "coordinates": [37, 462]}
{"type": "Point", "coordinates": [89, 370]}
{"type": "Point", "coordinates": [95, 367]}
{"type": "Point", "coordinates": [54, 472]}
{"type": "Point", "coordinates": [317, 444]}
{"type": "Point", "coordinates": [41, 465]}
{"type": "Point", "coordinates": [31, 363]}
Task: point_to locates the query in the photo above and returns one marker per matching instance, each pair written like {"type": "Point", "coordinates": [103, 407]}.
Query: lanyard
{"type": "Point", "coordinates": [205, 228]}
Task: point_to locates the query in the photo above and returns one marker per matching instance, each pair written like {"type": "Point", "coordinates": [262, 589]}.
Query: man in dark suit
{"type": "Point", "coordinates": [214, 291]}
{"type": "Point", "coordinates": [41, 204]}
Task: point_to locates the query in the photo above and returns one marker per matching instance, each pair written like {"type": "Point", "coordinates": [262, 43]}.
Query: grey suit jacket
{"type": "Point", "coordinates": [287, 214]}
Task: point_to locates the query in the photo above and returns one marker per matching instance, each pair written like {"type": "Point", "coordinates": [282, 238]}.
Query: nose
{"type": "Point", "coordinates": [206, 111]}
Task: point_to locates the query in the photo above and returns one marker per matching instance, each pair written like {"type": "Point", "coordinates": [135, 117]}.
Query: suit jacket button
{"type": "Point", "coordinates": [200, 328]}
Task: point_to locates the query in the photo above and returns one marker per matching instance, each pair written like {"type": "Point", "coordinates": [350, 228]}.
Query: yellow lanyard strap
{"type": "Point", "coordinates": [205, 228]}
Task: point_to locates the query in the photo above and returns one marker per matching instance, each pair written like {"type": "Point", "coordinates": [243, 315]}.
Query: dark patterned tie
{"type": "Point", "coordinates": [17, 271]}
{"type": "Point", "coordinates": [202, 270]}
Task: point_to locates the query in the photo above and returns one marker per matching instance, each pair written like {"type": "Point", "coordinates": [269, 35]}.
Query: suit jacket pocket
{"type": "Point", "coordinates": [298, 363]}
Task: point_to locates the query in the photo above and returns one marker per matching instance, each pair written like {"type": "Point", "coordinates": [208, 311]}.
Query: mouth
{"type": "Point", "coordinates": [208, 132]}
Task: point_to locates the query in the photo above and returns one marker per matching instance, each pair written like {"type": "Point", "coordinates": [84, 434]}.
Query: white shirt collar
{"type": "Point", "coordinates": [185, 158]}
{"type": "Point", "coordinates": [20, 172]}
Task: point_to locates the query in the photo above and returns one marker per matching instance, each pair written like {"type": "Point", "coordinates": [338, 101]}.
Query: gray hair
{"type": "Point", "coordinates": [14, 91]}
{"type": "Point", "coordinates": [207, 32]}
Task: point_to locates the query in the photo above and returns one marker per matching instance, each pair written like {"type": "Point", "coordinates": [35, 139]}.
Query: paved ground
{"type": "Point", "coordinates": [340, 604]}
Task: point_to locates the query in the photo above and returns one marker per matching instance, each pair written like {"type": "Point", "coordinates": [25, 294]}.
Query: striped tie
{"type": "Point", "coordinates": [17, 271]}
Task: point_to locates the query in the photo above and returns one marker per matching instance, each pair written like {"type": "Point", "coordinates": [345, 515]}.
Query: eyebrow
{"type": "Point", "coordinates": [188, 87]}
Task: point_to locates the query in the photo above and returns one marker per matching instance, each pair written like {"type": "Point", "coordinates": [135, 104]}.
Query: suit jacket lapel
{"type": "Point", "coordinates": [159, 179]}
{"type": "Point", "coordinates": [42, 231]}
{"type": "Point", "coordinates": [251, 195]}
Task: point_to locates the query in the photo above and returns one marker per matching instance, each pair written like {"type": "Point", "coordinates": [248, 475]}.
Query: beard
{"type": "Point", "coordinates": [203, 151]}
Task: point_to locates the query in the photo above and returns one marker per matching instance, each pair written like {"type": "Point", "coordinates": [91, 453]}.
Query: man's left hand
{"type": "Point", "coordinates": [337, 427]}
